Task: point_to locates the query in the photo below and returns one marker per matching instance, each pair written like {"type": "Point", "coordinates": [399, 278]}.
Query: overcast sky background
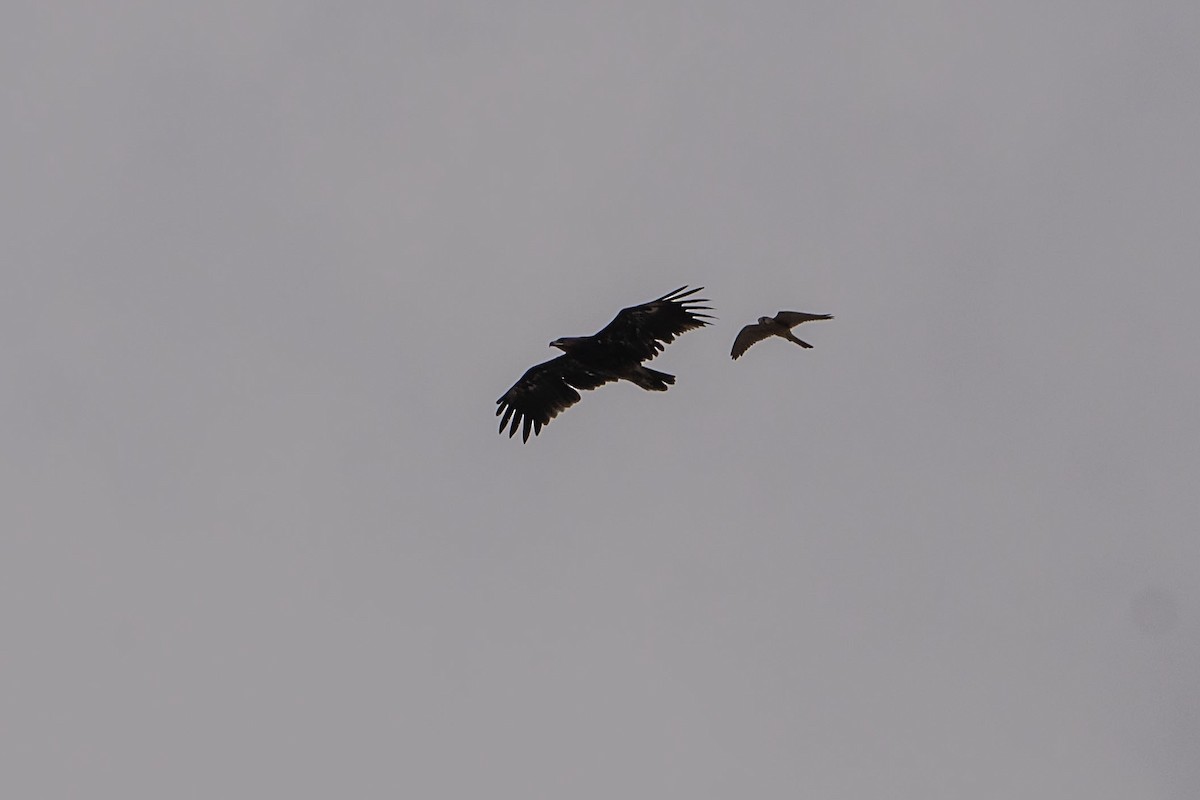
{"type": "Point", "coordinates": [269, 265]}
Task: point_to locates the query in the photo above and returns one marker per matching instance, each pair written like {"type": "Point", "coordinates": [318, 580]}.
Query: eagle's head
{"type": "Point", "coordinates": [766, 320]}
{"type": "Point", "coordinates": [566, 343]}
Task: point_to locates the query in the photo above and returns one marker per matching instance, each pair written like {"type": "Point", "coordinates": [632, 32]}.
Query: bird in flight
{"type": "Point", "coordinates": [779, 325]}
{"type": "Point", "coordinates": [616, 352]}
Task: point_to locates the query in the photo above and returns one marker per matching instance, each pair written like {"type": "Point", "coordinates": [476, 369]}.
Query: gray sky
{"type": "Point", "coordinates": [271, 263]}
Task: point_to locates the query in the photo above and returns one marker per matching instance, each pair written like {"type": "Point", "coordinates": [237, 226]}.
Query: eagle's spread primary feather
{"type": "Point", "coordinates": [616, 352]}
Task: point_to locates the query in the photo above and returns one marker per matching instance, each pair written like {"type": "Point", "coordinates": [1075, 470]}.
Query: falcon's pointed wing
{"type": "Point", "coordinates": [642, 331]}
{"type": "Point", "coordinates": [542, 392]}
{"type": "Point", "coordinates": [794, 318]}
{"type": "Point", "coordinates": [747, 336]}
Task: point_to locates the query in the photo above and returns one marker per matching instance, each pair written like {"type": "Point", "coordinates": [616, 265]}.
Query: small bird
{"type": "Point", "coordinates": [779, 325]}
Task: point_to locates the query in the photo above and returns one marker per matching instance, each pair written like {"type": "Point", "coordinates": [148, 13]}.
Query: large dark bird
{"type": "Point", "coordinates": [779, 325]}
{"type": "Point", "coordinates": [636, 334]}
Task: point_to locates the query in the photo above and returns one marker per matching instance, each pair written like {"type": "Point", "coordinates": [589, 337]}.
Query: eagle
{"type": "Point", "coordinates": [614, 353]}
{"type": "Point", "coordinates": [779, 325]}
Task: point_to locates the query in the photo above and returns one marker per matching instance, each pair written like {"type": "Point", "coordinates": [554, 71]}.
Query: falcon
{"type": "Point", "coordinates": [616, 352]}
{"type": "Point", "coordinates": [779, 325]}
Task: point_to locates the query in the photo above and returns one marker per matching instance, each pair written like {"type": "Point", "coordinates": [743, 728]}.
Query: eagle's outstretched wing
{"type": "Point", "coordinates": [543, 391]}
{"type": "Point", "coordinates": [747, 336]}
{"type": "Point", "coordinates": [642, 331]}
{"type": "Point", "coordinates": [794, 318]}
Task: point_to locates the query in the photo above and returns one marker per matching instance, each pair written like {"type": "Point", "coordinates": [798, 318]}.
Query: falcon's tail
{"type": "Point", "coordinates": [651, 379]}
{"type": "Point", "coordinates": [800, 342]}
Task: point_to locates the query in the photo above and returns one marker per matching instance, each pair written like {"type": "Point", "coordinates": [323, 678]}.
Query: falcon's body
{"type": "Point", "coordinates": [779, 325]}
{"type": "Point", "coordinates": [616, 352]}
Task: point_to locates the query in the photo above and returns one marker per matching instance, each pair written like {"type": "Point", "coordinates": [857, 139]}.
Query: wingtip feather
{"type": "Point", "coordinates": [679, 294]}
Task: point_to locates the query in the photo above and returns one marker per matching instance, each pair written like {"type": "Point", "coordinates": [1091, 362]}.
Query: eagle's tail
{"type": "Point", "coordinates": [651, 379]}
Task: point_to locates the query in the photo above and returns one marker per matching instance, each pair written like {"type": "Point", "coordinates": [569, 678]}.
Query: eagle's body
{"type": "Point", "coordinates": [779, 325]}
{"type": "Point", "coordinates": [616, 352]}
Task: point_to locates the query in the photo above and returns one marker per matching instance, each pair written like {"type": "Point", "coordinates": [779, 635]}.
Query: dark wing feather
{"type": "Point", "coordinates": [794, 318]}
{"type": "Point", "coordinates": [544, 391]}
{"type": "Point", "coordinates": [747, 336]}
{"type": "Point", "coordinates": [642, 331]}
